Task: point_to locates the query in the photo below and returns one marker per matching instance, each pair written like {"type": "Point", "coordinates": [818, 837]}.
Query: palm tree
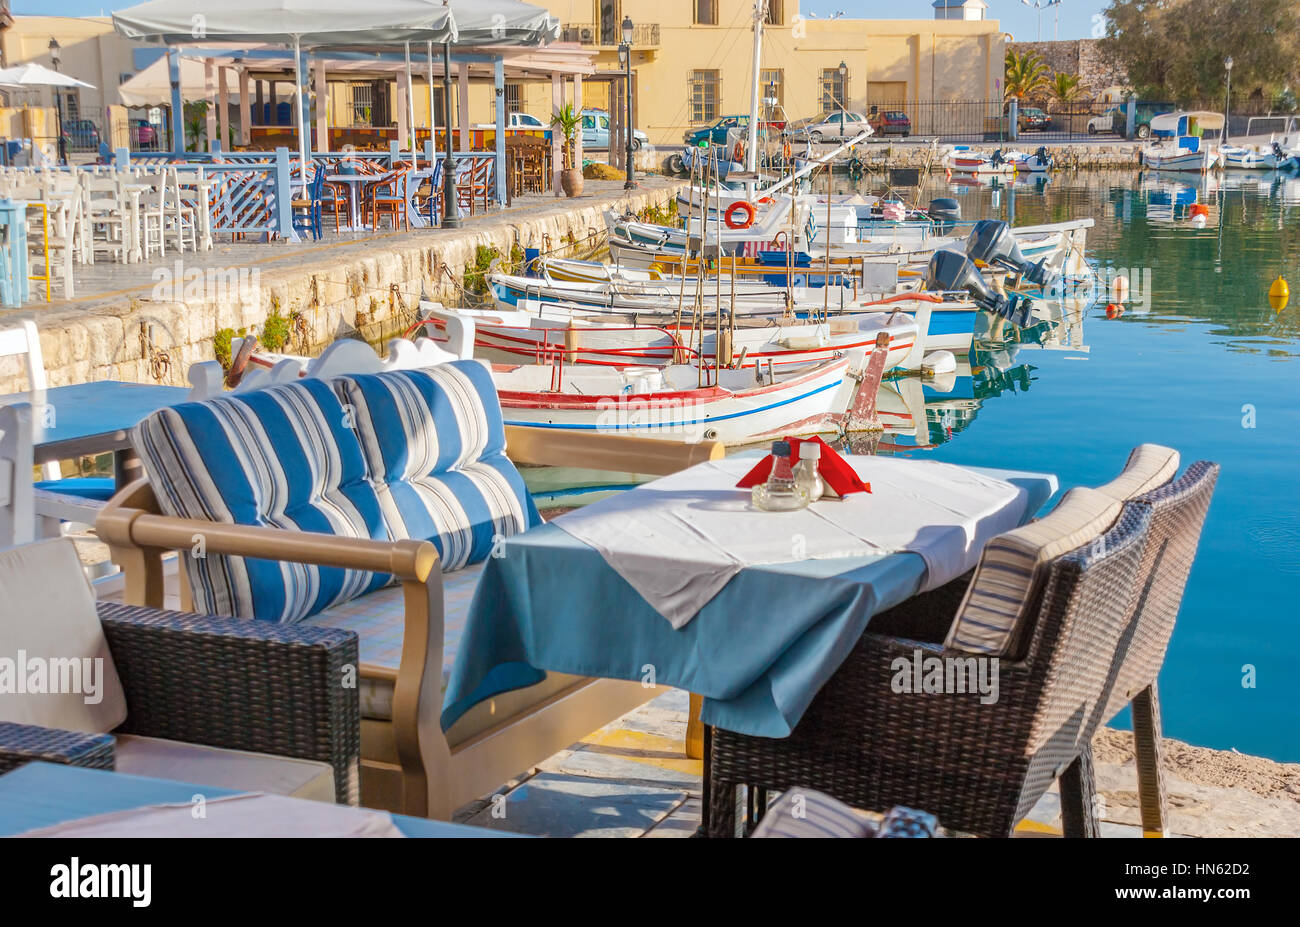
{"type": "Point", "coordinates": [1025, 75]}
{"type": "Point", "coordinates": [569, 122]}
{"type": "Point", "coordinates": [1065, 87]}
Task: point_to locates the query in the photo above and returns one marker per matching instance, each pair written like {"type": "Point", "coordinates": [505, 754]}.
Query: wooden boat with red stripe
{"type": "Point", "coordinates": [575, 336]}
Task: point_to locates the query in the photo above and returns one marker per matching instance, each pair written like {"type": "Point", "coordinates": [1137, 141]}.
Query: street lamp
{"type": "Point", "coordinates": [58, 101]}
{"type": "Point", "coordinates": [1227, 95]}
{"type": "Point", "coordinates": [450, 210]}
{"type": "Point", "coordinates": [626, 50]}
{"type": "Point", "coordinates": [844, 86]}
{"type": "Point", "coordinates": [1041, 5]}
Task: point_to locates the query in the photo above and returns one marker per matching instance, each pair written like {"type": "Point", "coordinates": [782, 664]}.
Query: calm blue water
{"type": "Point", "coordinates": [1182, 372]}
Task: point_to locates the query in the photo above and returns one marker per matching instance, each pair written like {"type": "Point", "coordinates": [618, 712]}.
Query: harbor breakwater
{"type": "Point", "coordinates": [149, 323]}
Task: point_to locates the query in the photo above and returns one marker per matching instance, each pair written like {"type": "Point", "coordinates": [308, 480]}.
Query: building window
{"type": "Point", "coordinates": [835, 90]}
{"type": "Point", "coordinates": [773, 85]}
{"type": "Point", "coordinates": [775, 13]}
{"type": "Point", "coordinates": [706, 12]}
{"type": "Point", "coordinates": [706, 90]}
{"type": "Point", "coordinates": [362, 104]}
{"type": "Point", "coordinates": [514, 99]}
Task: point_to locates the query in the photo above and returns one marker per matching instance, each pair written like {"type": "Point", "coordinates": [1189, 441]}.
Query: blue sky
{"type": "Point", "coordinates": [1020, 20]}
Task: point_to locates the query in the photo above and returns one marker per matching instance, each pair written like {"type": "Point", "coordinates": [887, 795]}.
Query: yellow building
{"type": "Point", "coordinates": [693, 60]}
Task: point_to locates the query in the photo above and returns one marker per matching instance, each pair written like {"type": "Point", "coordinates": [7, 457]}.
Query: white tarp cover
{"type": "Point", "coordinates": [153, 86]}
{"type": "Point", "coordinates": [312, 22]}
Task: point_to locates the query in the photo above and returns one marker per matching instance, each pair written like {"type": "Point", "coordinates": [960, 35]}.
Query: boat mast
{"type": "Point", "coordinates": [751, 147]}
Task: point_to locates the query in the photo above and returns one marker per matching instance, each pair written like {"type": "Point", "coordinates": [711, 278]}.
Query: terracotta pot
{"type": "Point", "coordinates": [571, 182]}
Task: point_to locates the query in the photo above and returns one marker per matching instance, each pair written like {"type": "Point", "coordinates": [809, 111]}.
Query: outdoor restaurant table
{"type": "Point", "coordinates": [758, 651]}
{"type": "Point", "coordinates": [93, 418]}
{"type": "Point", "coordinates": [355, 181]}
{"type": "Point", "coordinates": [40, 795]}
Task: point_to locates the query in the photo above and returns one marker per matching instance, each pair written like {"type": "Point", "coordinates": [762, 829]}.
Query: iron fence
{"type": "Point", "coordinates": [989, 121]}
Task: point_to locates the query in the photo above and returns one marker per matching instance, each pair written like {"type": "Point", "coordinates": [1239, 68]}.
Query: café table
{"type": "Point", "coordinates": [355, 181]}
{"type": "Point", "coordinates": [40, 795]}
{"type": "Point", "coordinates": [93, 418]}
{"type": "Point", "coordinates": [757, 651]}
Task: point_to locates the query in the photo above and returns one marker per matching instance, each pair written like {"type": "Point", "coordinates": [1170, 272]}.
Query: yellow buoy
{"type": "Point", "coordinates": [1279, 294]}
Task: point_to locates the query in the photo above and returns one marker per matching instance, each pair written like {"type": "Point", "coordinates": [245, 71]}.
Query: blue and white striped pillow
{"type": "Point", "coordinates": [434, 444]}
{"type": "Point", "coordinates": [282, 457]}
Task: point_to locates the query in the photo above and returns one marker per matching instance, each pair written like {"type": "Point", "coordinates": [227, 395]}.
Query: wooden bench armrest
{"type": "Point", "coordinates": [599, 451]}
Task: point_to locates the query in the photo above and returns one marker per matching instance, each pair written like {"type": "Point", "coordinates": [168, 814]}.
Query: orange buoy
{"type": "Point", "coordinates": [740, 206]}
{"type": "Point", "coordinates": [1113, 311]}
{"type": "Point", "coordinates": [1199, 209]}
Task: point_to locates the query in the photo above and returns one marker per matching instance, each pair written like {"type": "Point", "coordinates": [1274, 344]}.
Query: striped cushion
{"type": "Point", "coordinates": [281, 457]}
{"type": "Point", "coordinates": [1149, 466]}
{"type": "Point", "coordinates": [434, 444]}
{"type": "Point", "coordinates": [805, 813]}
{"type": "Point", "coordinates": [1015, 563]}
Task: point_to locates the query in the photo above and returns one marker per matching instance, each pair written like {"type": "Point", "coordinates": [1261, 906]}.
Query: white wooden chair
{"type": "Point", "coordinates": [30, 511]}
{"type": "Point", "coordinates": [108, 217]}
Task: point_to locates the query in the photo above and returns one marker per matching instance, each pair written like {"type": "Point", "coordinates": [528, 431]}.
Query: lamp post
{"type": "Point", "coordinates": [844, 87]}
{"type": "Point", "coordinates": [58, 101]}
{"type": "Point", "coordinates": [450, 212]}
{"type": "Point", "coordinates": [1227, 95]}
{"type": "Point", "coordinates": [626, 51]}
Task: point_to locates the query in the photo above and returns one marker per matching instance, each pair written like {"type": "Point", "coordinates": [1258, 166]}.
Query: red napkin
{"type": "Point", "coordinates": [839, 478]}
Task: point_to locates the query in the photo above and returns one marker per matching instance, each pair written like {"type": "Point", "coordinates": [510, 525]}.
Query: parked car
{"type": "Point", "coordinates": [838, 126]}
{"type": "Point", "coordinates": [1143, 114]}
{"type": "Point", "coordinates": [716, 132]}
{"type": "Point", "coordinates": [595, 131]}
{"type": "Point", "coordinates": [144, 134]}
{"type": "Point", "coordinates": [1105, 122]}
{"type": "Point", "coordinates": [890, 122]}
{"type": "Point", "coordinates": [81, 133]}
{"type": "Point", "coordinates": [516, 121]}
{"type": "Point", "coordinates": [1031, 117]}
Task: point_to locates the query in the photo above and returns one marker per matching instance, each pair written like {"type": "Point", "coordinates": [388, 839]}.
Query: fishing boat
{"type": "Point", "coordinates": [1040, 161]}
{"type": "Point", "coordinates": [682, 402]}
{"type": "Point", "coordinates": [962, 160]}
{"type": "Point", "coordinates": [542, 333]}
{"type": "Point", "coordinates": [1183, 142]}
{"type": "Point", "coordinates": [1270, 157]}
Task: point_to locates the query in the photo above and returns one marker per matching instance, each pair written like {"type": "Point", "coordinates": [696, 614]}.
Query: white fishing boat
{"type": "Point", "coordinates": [1270, 157]}
{"type": "Point", "coordinates": [962, 160]}
{"type": "Point", "coordinates": [543, 333]}
{"type": "Point", "coordinates": [1185, 142]}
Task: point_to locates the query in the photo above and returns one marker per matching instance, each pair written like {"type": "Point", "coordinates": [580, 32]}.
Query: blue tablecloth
{"type": "Point", "coordinates": [758, 651]}
{"type": "Point", "coordinates": [44, 794]}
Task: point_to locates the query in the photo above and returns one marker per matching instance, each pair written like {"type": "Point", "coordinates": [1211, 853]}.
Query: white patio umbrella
{"type": "Point", "coordinates": [37, 75]}
{"type": "Point", "coordinates": [310, 23]}
{"type": "Point", "coordinates": [153, 85]}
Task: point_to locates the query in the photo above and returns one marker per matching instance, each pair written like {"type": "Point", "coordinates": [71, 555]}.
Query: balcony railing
{"type": "Point", "coordinates": [644, 35]}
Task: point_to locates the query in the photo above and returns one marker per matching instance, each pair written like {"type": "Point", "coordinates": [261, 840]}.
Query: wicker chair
{"type": "Point", "coordinates": [1096, 640]}
{"type": "Point", "coordinates": [207, 681]}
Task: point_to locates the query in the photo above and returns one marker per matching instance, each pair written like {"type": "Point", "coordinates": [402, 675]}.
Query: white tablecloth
{"type": "Point", "coordinates": [680, 539]}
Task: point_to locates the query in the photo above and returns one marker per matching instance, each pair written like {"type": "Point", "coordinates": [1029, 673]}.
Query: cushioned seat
{"type": "Point", "coordinates": [379, 620]}
{"type": "Point", "coordinates": [223, 769]}
{"type": "Point", "coordinates": [1149, 466]}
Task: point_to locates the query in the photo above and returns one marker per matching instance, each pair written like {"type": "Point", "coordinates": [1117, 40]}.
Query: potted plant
{"type": "Point", "coordinates": [569, 122]}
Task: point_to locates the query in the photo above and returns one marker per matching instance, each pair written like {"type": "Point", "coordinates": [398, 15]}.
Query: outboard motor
{"type": "Point", "coordinates": [991, 241]}
{"type": "Point", "coordinates": [997, 160]}
{"type": "Point", "coordinates": [952, 271]}
{"type": "Point", "coordinates": [945, 211]}
{"type": "Point", "coordinates": [1044, 159]}
{"type": "Point", "coordinates": [1278, 152]}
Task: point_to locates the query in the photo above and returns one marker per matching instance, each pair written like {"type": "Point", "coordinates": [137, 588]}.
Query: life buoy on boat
{"type": "Point", "coordinates": [786, 151]}
{"type": "Point", "coordinates": [740, 206]}
{"type": "Point", "coordinates": [738, 153]}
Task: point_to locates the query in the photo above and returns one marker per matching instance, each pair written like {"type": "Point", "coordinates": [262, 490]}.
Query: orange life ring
{"type": "Point", "coordinates": [729, 216]}
{"type": "Point", "coordinates": [738, 153]}
{"type": "Point", "coordinates": [786, 151]}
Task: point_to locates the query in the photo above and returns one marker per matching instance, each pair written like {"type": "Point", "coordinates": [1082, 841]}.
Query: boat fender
{"type": "Point", "coordinates": [938, 362]}
{"type": "Point", "coordinates": [1119, 289]}
{"type": "Point", "coordinates": [740, 206]}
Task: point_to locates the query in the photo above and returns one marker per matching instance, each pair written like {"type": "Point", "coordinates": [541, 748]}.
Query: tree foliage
{"type": "Point", "coordinates": [1175, 49]}
{"type": "Point", "coordinates": [1065, 88]}
{"type": "Point", "coordinates": [1024, 76]}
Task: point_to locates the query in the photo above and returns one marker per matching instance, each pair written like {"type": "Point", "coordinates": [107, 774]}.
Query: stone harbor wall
{"type": "Point", "coordinates": [1085, 57]}
{"type": "Point", "coordinates": [298, 302]}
